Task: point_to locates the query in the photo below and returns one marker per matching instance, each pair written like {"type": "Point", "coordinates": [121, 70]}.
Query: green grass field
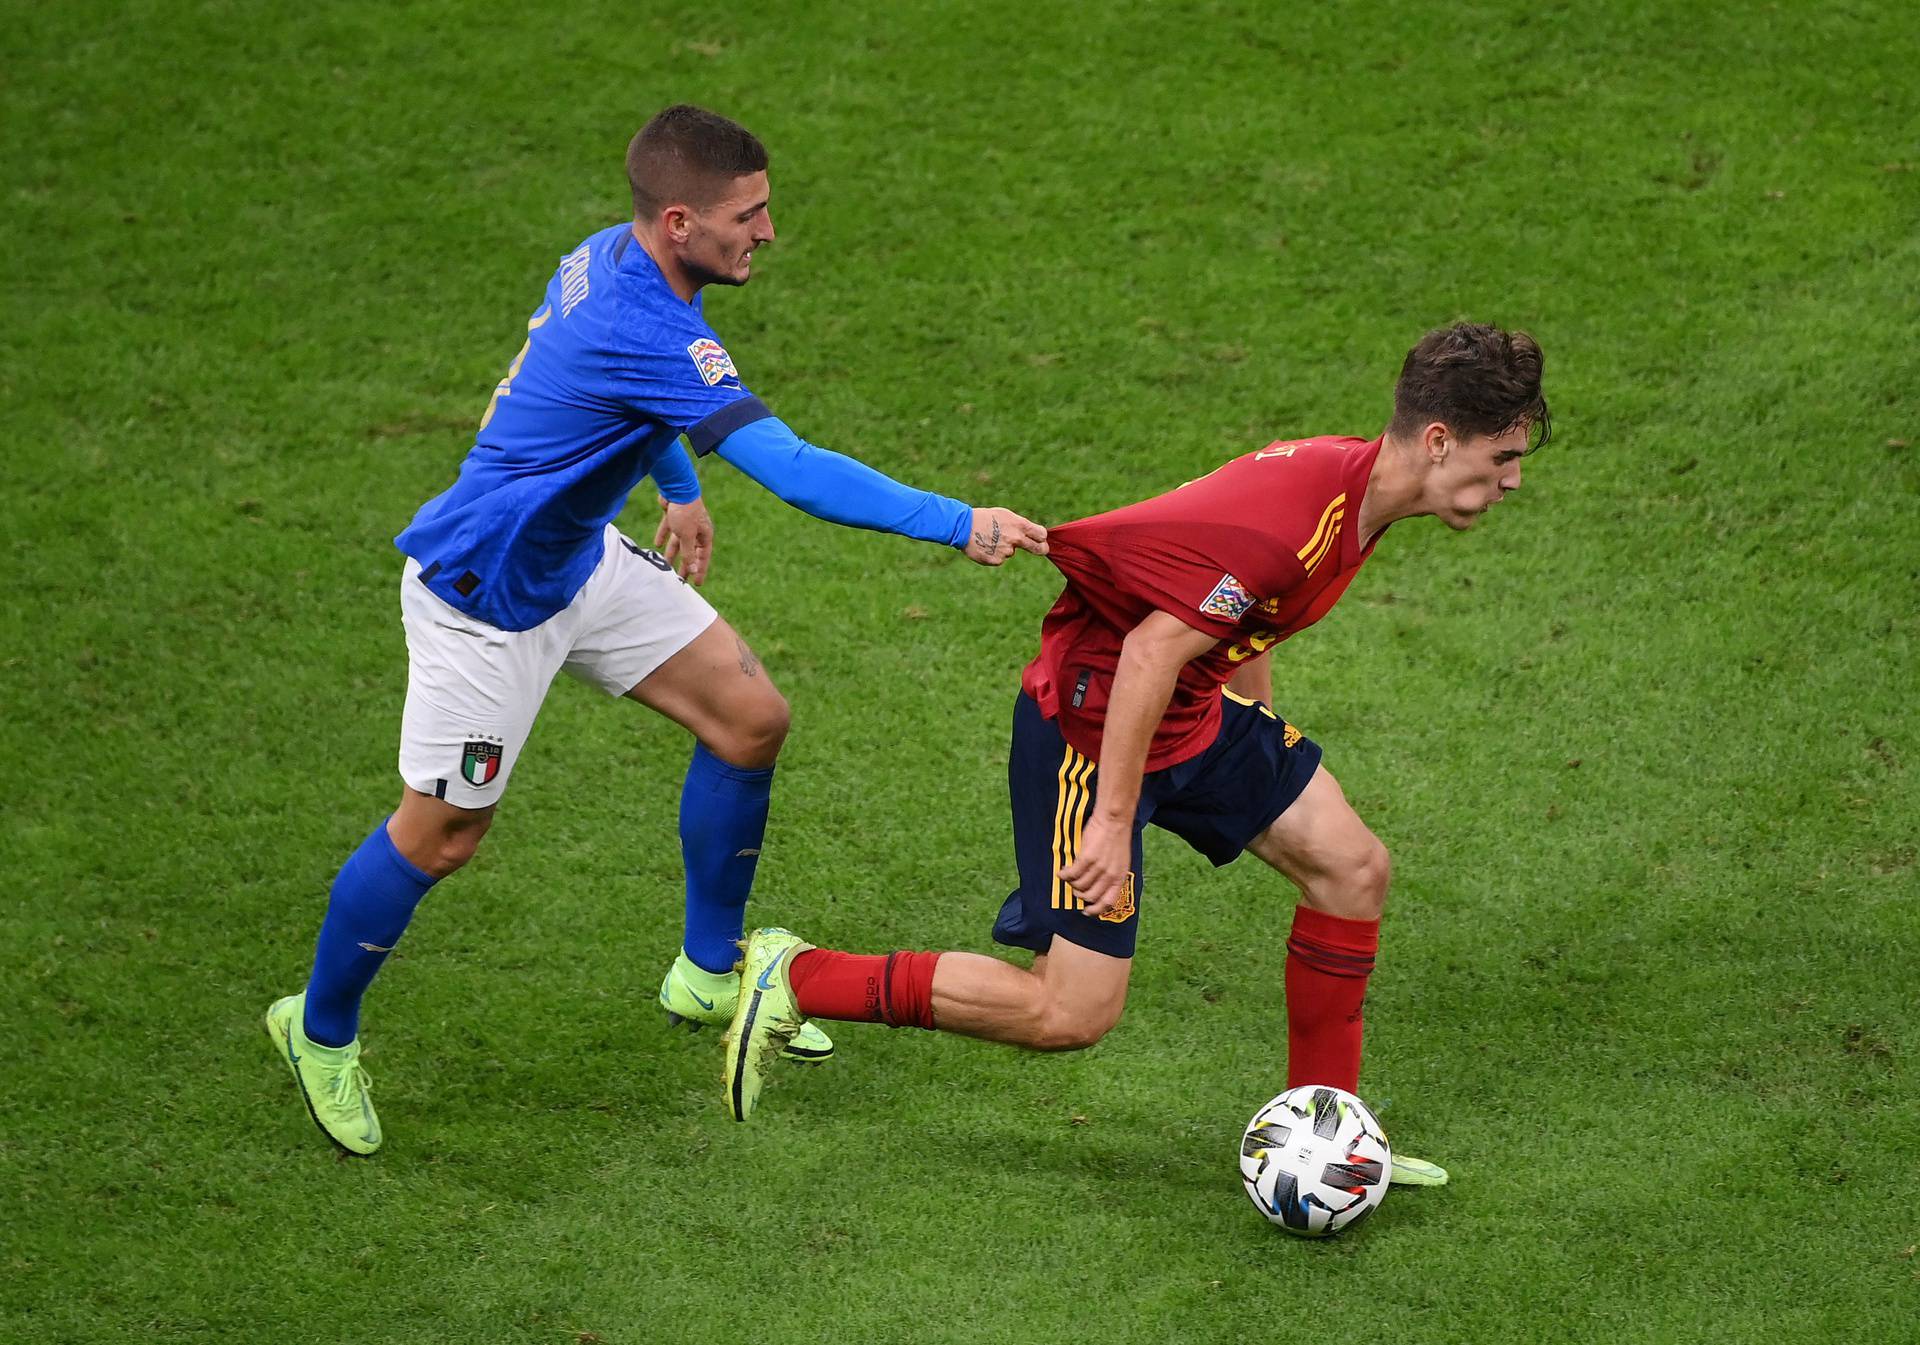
{"type": "Point", "coordinates": [1644, 745]}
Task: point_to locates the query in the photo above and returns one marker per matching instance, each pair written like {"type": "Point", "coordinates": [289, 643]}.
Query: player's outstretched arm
{"type": "Point", "coordinates": [843, 490]}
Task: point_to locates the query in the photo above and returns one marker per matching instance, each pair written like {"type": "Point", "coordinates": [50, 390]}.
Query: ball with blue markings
{"type": "Point", "coordinates": [1315, 1161]}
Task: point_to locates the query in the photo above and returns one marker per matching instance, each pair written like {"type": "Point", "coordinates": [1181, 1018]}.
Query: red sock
{"type": "Point", "coordinates": [1329, 958]}
{"type": "Point", "coordinates": [895, 989]}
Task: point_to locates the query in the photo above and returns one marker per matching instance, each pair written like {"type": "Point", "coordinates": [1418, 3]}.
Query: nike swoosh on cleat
{"type": "Point", "coordinates": [706, 1004]}
{"type": "Point", "coordinates": [765, 982]}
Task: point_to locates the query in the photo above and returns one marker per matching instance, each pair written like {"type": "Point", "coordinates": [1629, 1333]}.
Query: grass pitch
{"type": "Point", "coordinates": [1643, 744]}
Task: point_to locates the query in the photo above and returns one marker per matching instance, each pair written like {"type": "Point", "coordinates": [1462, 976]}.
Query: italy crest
{"type": "Point", "coordinates": [480, 762]}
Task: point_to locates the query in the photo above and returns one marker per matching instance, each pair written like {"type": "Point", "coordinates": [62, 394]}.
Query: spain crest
{"type": "Point", "coordinates": [480, 762]}
{"type": "Point", "coordinates": [712, 360]}
{"type": "Point", "coordinates": [1124, 908]}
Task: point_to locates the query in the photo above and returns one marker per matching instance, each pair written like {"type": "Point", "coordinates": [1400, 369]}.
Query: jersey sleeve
{"type": "Point", "coordinates": [671, 368]}
{"type": "Point", "coordinates": [674, 476]}
{"type": "Point", "coordinates": [840, 489]}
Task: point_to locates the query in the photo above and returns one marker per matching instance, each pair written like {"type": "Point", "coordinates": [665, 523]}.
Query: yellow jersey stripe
{"type": "Point", "coordinates": [1328, 519]}
{"type": "Point", "coordinates": [1313, 555]}
{"type": "Point", "coordinates": [1333, 535]}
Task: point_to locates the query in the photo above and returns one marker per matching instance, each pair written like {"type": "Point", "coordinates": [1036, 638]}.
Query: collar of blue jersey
{"type": "Point", "coordinates": [630, 256]}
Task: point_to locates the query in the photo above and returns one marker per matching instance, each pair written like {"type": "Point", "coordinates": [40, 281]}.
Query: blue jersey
{"type": "Point", "coordinates": [616, 367]}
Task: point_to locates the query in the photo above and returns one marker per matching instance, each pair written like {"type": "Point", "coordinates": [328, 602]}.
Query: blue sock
{"type": "Point", "coordinates": [723, 819]}
{"type": "Point", "coordinates": [372, 901]}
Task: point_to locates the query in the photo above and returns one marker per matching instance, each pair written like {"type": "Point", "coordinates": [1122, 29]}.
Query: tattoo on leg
{"type": "Point", "coordinates": [748, 663]}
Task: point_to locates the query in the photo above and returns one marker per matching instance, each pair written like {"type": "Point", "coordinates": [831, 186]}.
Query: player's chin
{"type": "Point", "coordinates": [739, 275]}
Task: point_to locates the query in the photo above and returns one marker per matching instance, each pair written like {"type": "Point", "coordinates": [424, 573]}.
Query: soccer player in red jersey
{"type": "Point", "coordinates": [1150, 701]}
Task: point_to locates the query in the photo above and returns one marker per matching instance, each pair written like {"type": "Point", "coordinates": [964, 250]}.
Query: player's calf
{"type": "Point", "coordinates": [1067, 1002]}
{"type": "Point", "coordinates": [1057, 1028]}
{"type": "Point", "coordinates": [1072, 997]}
{"type": "Point", "coordinates": [1342, 871]}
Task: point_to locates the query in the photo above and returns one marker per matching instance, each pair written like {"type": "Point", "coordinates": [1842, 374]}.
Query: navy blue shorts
{"type": "Point", "coordinates": [1216, 802]}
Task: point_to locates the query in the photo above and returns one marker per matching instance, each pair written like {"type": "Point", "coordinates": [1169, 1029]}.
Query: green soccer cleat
{"type": "Point", "coordinates": [764, 1020]}
{"type": "Point", "coordinates": [330, 1078]}
{"type": "Point", "coordinates": [700, 998]}
{"type": "Point", "coordinates": [1416, 1172]}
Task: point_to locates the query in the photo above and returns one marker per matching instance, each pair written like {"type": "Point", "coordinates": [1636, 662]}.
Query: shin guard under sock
{"type": "Point", "coordinates": [1329, 958]}
{"type": "Point", "coordinates": [372, 900]}
{"type": "Point", "coordinates": [894, 988]}
{"type": "Point", "coordinates": [723, 822]}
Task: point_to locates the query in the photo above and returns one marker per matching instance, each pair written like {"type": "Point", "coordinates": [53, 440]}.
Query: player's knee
{"type": "Point", "coordinates": [772, 724]}
{"type": "Point", "coordinates": [455, 850]}
{"type": "Point", "coordinates": [755, 736]}
{"type": "Point", "coordinates": [1366, 883]}
{"type": "Point", "coordinates": [1356, 887]}
{"type": "Point", "coordinates": [445, 850]}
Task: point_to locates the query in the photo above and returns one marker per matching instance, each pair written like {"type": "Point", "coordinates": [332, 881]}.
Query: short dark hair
{"type": "Point", "coordinates": [1476, 380]}
{"type": "Point", "coordinates": [689, 155]}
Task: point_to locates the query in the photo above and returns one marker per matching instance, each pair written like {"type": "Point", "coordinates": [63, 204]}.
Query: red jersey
{"type": "Point", "coordinates": [1252, 553]}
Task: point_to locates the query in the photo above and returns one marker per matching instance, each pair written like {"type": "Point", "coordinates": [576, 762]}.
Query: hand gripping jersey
{"type": "Point", "coordinates": [616, 367]}
{"type": "Point", "coordinates": [1252, 553]}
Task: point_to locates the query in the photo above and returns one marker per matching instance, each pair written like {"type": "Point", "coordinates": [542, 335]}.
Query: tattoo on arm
{"type": "Point", "coordinates": [748, 663]}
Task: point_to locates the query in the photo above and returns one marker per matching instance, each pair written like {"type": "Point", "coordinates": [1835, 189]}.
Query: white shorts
{"type": "Point", "coordinates": [473, 689]}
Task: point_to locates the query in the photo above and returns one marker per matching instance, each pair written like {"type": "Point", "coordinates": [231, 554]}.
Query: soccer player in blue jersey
{"type": "Point", "coordinates": [517, 572]}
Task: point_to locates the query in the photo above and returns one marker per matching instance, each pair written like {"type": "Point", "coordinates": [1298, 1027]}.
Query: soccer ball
{"type": "Point", "coordinates": [1314, 1161]}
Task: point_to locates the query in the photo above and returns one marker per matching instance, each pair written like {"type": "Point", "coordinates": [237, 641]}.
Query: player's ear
{"type": "Point", "coordinates": [677, 222]}
{"type": "Point", "coordinates": [1436, 439]}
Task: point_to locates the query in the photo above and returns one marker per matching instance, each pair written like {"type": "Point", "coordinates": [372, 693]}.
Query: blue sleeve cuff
{"type": "Point", "coordinates": [840, 489]}
{"type": "Point", "coordinates": [704, 437]}
{"type": "Point", "coordinates": [673, 474]}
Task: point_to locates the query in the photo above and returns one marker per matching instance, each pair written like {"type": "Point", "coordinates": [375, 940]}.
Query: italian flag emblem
{"type": "Point", "coordinates": [480, 762]}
